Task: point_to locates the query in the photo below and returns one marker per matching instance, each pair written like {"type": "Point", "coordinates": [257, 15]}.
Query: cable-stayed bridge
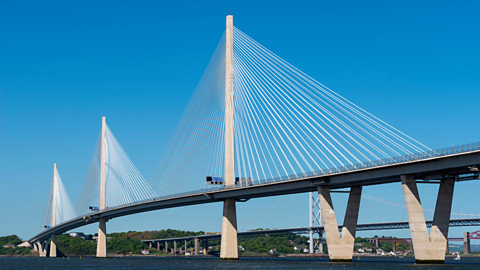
{"type": "Point", "coordinates": [261, 127]}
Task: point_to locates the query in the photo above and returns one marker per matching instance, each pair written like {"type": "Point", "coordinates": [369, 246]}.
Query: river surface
{"type": "Point", "coordinates": [215, 263]}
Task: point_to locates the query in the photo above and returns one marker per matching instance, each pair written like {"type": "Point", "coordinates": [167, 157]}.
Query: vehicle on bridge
{"type": "Point", "coordinates": [239, 181]}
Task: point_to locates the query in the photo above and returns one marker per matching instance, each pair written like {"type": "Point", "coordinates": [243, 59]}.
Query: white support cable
{"type": "Point", "coordinates": [277, 110]}
{"type": "Point", "coordinates": [329, 92]}
{"type": "Point", "coordinates": [288, 87]}
{"type": "Point", "coordinates": [282, 101]}
{"type": "Point", "coordinates": [312, 100]}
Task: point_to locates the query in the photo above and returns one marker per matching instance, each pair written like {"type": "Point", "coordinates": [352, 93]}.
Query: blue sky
{"type": "Point", "coordinates": [63, 65]}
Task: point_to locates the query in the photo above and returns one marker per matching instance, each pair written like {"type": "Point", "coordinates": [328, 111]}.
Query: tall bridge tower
{"type": "Point", "coordinates": [229, 245]}
{"type": "Point", "coordinates": [102, 226]}
{"type": "Point", "coordinates": [53, 243]}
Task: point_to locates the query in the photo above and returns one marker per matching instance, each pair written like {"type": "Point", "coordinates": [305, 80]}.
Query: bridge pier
{"type": "Point", "coordinates": [42, 247]}
{"type": "Point", "coordinates": [197, 247]}
{"type": "Point", "coordinates": [466, 243]}
{"type": "Point", "coordinates": [205, 247]}
{"type": "Point", "coordinates": [102, 238]}
{"type": "Point", "coordinates": [158, 246]}
{"type": "Point", "coordinates": [340, 248]}
{"type": "Point", "coordinates": [166, 247]}
{"type": "Point", "coordinates": [53, 246]}
{"type": "Point", "coordinates": [428, 249]}
{"type": "Point", "coordinates": [229, 244]}
{"type": "Point", "coordinates": [174, 247]}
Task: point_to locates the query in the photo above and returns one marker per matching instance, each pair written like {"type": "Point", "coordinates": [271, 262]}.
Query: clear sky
{"type": "Point", "coordinates": [65, 64]}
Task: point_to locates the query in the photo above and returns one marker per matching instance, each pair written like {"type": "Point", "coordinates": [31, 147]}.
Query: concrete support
{"type": "Point", "coordinates": [166, 247]}
{"type": "Point", "coordinates": [229, 246]}
{"type": "Point", "coordinates": [310, 215]}
{"type": "Point", "coordinates": [340, 248]}
{"type": "Point", "coordinates": [53, 246]}
{"type": "Point", "coordinates": [376, 243]}
{"type": "Point", "coordinates": [150, 245]}
{"type": "Point", "coordinates": [158, 246]}
{"type": "Point", "coordinates": [102, 238]}
{"type": "Point", "coordinates": [428, 249]}
{"type": "Point", "coordinates": [447, 250]}
{"type": "Point", "coordinates": [175, 247]}
{"type": "Point", "coordinates": [197, 247]}
{"type": "Point", "coordinates": [42, 247]}
{"type": "Point", "coordinates": [102, 224]}
{"type": "Point", "coordinates": [205, 247]}
{"type": "Point", "coordinates": [466, 243]}
{"type": "Point", "coordinates": [394, 246]}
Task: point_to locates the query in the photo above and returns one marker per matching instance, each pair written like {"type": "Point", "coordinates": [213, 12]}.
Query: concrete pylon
{"type": "Point", "coordinates": [175, 247]}
{"type": "Point", "coordinates": [428, 249]}
{"type": "Point", "coordinates": [229, 246]}
{"type": "Point", "coordinates": [102, 226]}
{"type": "Point", "coordinates": [340, 248]}
{"type": "Point", "coordinates": [205, 246]}
{"type": "Point", "coordinates": [53, 244]}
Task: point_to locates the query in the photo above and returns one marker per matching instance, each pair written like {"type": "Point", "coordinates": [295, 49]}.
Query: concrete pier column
{"type": "Point", "coordinates": [447, 250]}
{"type": "Point", "coordinates": [166, 246]}
{"type": "Point", "coordinates": [197, 247]}
{"type": "Point", "coordinates": [340, 248]}
{"type": "Point", "coordinates": [158, 246]}
{"type": "Point", "coordinates": [428, 249]}
{"type": "Point", "coordinates": [376, 243]}
{"type": "Point", "coordinates": [43, 248]}
{"type": "Point", "coordinates": [175, 247]}
{"type": "Point", "coordinates": [150, 245]}
{"type": "Point", "coordinates": [205, 247]}
{"type": "Point", "coordinates": [229, 244]}
{"type": "Point", "coordinates": [394, 246]}
{"type": "Point", "coordinates": [102, 239]}
{"type": "Point", "coordinates": [53, 246]}
{"type": "Point", "coordinates": [466, 243]}
{"type": "Point", "coordinates": [185, 246]}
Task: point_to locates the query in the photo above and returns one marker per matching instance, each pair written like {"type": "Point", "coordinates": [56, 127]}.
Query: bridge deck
{"type": "Point", "coordinates": [462, 164]}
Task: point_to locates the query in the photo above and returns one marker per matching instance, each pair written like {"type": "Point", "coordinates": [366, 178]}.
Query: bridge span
{"type": "Point", "coordinates": [429, 167]}
{"type": "Point", "coordinates": [245, 120]}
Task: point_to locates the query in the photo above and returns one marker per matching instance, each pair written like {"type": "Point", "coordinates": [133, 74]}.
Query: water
{"type": "Point", "coordinates": [215, 263]}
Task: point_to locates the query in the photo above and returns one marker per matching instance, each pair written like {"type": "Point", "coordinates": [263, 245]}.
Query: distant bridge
{"type": "Point", "coordinates": [320, 229]}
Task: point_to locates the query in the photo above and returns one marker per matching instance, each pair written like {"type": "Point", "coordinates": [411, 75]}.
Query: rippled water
{"type": "Point", "coordinates": [215, 263]}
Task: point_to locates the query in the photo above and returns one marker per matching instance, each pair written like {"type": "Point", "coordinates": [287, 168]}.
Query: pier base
{"type": "Point", "coordinates": [53, 246]}
{"type": "Point", "coordinates": [428, 249]}
{"type": "Point", "coordinates": [229, 244]}
{"type": "Point", "coordinates": [102, 239]}
{"type": "Point", "coordinates": [340, 248]}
